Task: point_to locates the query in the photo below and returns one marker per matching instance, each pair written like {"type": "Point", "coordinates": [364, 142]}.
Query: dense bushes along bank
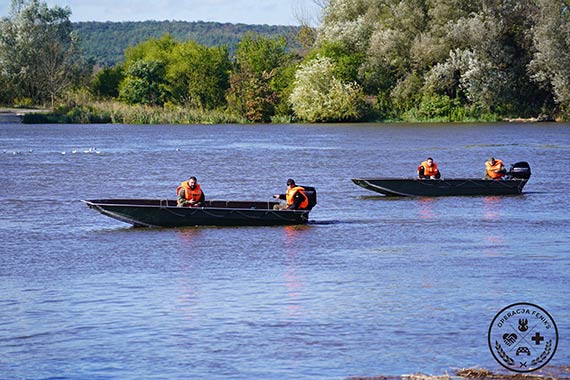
{"type": "Point", "coordinates": [115, 112]}
{"type": "Point", "coordinates": [402, 60]}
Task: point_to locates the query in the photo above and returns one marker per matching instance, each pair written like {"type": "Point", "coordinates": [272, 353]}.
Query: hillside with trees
{"type": "Point", "coordinates": [368, 60]}
{"type": "Point", "coordinates": [105, 42]}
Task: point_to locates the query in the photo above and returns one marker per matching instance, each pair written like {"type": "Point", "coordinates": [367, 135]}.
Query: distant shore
{"type": "Point", "coordinates": [14, 115]}
{"type": "Point", "coordinates": [122, 114]}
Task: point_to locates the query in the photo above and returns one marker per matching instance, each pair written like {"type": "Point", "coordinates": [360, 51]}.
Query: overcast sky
{"type": "Point", "coordinates": [272, 12]}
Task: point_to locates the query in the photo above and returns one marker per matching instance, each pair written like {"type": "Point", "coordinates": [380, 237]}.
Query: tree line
{"type": "Point", "coordinates": [95, 36]}
{"type": "Point", "coordinates": [411, 60]}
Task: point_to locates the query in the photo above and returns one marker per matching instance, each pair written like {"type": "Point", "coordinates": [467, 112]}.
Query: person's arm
{"type": "Point", "coordinates": [181, 200]}
{"type": "Point", "coordinates": [201, 199]}
{"type": "Point", "coordinates": [421, 172]}
{"type": "Point", "coordinates": [280, 196]}
{"type": "Point", "coordinates": [297, 200]}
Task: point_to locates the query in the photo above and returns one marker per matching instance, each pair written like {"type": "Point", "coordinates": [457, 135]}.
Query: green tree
{"type": "Point", "coordinates": [476, 54]}
{"type": "Point", "coordinates": [199, 75]}
{"type": "Point", "coordinates": [144, 83]}
{"type": "Point", "coordinates": [550, 64]}
{"type": "Point", "coordinates": [153, 49]}
{"type": "Point", "coordinates": [38, 50]}
{"type": "Point", "coordinates": [7, 92]}
{"type": "Point", "coordinates": [347, 62]}
{"type": "Point", "coordinates": [106, 82]}
{"type": "Point", "coordinates": [260, 77]}
{"type": "Point", "coordinates": [319, 96]}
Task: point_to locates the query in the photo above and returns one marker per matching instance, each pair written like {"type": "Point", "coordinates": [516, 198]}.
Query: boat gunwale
{"type": "Point", "coordinates": [437, 179]}
{"type": "Point", "coordinates": [99, 204]}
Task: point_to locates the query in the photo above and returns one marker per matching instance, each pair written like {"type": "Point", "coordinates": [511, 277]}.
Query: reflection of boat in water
{"type": "Point", "coordinates": [165, 213]}
{"type": "Point", "coordinates": [516, 179]}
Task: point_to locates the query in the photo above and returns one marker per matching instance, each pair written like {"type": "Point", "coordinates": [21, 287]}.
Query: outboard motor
{"type": "Point", "coordinates": [519, 170]}
{"type": "Point", "coordinates": [311, 193]}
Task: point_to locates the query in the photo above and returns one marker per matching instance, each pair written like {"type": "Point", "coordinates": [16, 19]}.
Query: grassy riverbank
{"type": "Point", "coordinates": [82, 108]}
{"type": "Point", "coordinates": [97, 111]}
{"type": "Point", "coordinates": [114, 112]}
{"type": "Point", "coordinates": [119, 113]}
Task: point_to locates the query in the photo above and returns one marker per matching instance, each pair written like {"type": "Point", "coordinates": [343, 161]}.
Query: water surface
{"type": "Point", "coordinates": [372, 286]}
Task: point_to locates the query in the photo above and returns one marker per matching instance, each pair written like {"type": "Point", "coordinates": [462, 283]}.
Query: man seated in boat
{"type": "Point", "coordinates": [494, 169]}
{"type": "Point", "coordinates": [428, 170]}
{"type": "Point", "coordinates": [295, 197]}
{"type": "Point", "coordinates": [190, 194]}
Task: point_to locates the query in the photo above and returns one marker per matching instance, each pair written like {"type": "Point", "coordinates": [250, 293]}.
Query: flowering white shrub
{"type": "Point", "coordinates": [345, 22]}
{"type": "Point", "coordinates": [318, 96]}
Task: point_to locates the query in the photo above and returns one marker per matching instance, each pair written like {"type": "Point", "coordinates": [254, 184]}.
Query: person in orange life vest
{"type": "Point", "coordinates": [190, 194]}
{"type": "Point", "coordinates": [428, 170]}
{"type": "Point", "coordinates": [295, 197]}
{"type": "Point", "coordinates": [494, 169]}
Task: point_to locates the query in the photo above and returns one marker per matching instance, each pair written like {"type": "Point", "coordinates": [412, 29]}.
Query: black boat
{"type": "Point", "coordinates": [165, 213]}
{"type": "Point", "coordinates": [513, 184]}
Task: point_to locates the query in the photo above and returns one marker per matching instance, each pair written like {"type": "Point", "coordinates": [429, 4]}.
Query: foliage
{"type": "Point", "coordinates": [319, 96]}
{"type": "Point", "coordinates": [38, 51]}
{"type": "Point", "coordinates": [8, 91]}
{"type": "Point", "coordinates": [105, 83]}
{"type": "Point", "coordinates": [95, 36]}
{"type": "Point", "coordinates": [414, 60]}
{"type": "Point", "coordinates": [345, 22]}
{"type": "Point", "coordinates": [260, 77]}
{"type": "Point", "coordinates": [347, 62]}
{"type": "Point", "coordinates": [199, 75]}
{"type": "Point", "coordinates": [306, 37]}
{"type": "Point", "coordinates": [508, 57]}
{"type": "Point", "coordinates": [194, 75]}
{"type": "Point", "coordinates": [115, 112]}
{"type": "Point", "coordinates": [144, 83]}
{"type": "Point", "coordinates": [550, 64]}
{"type": "Point", "coordinates": [153, 49]}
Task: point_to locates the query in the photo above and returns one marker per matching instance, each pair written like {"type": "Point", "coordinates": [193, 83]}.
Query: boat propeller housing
{"type": "Point", "coordinates": [519, 170]}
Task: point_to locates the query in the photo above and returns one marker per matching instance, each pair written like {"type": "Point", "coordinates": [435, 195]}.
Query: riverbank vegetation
{"type": "Point", "coordinates": [384, 60]}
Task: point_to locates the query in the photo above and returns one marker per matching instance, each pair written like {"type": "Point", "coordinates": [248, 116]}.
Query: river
{"type": "Point", "coordinates": [371, 286]}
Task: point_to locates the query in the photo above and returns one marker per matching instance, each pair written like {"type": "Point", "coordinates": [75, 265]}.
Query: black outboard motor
{"type": "Point", "coordinates": [311, 193]}
{"type": "Point", "coordinates": [519, 170]}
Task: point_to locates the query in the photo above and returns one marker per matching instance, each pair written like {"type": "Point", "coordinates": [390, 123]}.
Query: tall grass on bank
{"type": "Point", "coordinates": [94, 112]}
{"type": "Point", "coordinates": [80, 107]}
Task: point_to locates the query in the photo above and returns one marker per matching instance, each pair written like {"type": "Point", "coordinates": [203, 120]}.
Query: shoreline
{"type": "Point", "coordinates": [11, 115]}
{"type": "Point", "coordinates": [15, 115]}
{"type": "Point", "coordinates": [559, 372]}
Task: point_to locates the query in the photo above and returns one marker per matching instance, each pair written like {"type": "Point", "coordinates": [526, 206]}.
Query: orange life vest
{"type": "Point", "coordinates": [290, 197]}
{"type": "Point", "coordinates": [429, 170]}
{"type": "Point", "coordinates": [190, 193]}
{"type": "Point", "coordinates": [491, 169]}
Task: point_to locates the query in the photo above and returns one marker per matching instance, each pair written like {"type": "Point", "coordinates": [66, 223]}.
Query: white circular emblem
{"type": "Point", "coordinates": [523, 337]}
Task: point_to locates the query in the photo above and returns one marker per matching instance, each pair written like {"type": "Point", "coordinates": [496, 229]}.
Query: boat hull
{"type": "Point", "coordinates": [165, 213]}
{"type": "Point", "coordinates": [445, 187]}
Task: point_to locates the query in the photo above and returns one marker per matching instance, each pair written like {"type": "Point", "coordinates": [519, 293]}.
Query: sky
{"type": "Point", "coordinates": [271, 12]}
